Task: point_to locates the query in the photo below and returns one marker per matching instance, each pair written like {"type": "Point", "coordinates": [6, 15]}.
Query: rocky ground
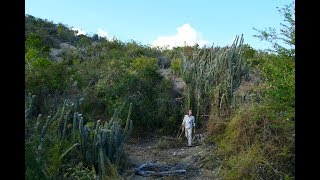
{"type": "Point", "coordinates": [169, 152]}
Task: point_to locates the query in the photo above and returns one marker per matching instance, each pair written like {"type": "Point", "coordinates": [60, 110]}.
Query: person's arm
{"type": "Point", "coordinates": [183, 123]}
{"type": "Point", "coordinates": [194, 126]}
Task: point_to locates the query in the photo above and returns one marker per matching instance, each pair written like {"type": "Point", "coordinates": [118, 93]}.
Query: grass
{"type": "Point", "coordinates": [168, 142]}
{"type": "Point", "coordinates": [252, 144]}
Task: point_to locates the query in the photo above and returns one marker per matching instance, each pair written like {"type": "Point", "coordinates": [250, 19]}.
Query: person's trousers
{"type": "Point", "coordinates": [188, 132]}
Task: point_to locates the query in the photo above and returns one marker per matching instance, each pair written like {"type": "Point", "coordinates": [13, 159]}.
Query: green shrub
{"type": "Point", "coordinates": [79, 172]}
{"type": "Point", "coordinates": [176, 67]}
{"type": "Point", "coordinates": [256, 144]}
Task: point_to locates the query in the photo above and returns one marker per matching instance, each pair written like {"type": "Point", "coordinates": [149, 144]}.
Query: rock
{"type": "Point", "coordinates": [55, 53]}
{"type": "Point", "coordinates": [163, 62]}
{"type": "Point", "coordinates": [66, 46]}
{"type": "Point", "coordinates": [197, 139]}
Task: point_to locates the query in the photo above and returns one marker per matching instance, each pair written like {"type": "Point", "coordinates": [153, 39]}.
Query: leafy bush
{"type": "Point", "coordinates": [176, 67]}
{"type": "Point", "coordinates": [79, 172]}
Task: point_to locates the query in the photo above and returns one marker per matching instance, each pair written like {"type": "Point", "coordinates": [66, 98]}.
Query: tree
{"type": "Point", "coordinates": [95, 37]}
{"type": "Point", "coordinates": [84, 40]}
{"type": "Point", "coordinates": [279, 68]}
{"type": "Point", "coordinates": [35, 42]}
{"type": "Point", "coordinates": [286, 35]}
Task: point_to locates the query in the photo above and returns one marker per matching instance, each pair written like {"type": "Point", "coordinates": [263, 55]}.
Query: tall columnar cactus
{"type": "Point", "coordinates": [28, 108]}
{"type": "Point", "coordinates": [100, 146]}
{"type": "Point", "coordinates": [210, 67]}
{"type": "Point", "coordinates": [246, 72]}
{"type": "Point", "coordinates": [82, 135]}
{"type": "Point", "coordinates": [188, 98]}
{"type": "Point", "coordinates": [55, 117]}
{"type": "Point", "coordinates": [45, 127]}
{"type": "Point", "coordinates": [118, 139]}
{"type": "Point", "coordinates": [128, 127]}
{"type": "Point", "coordinates": [111, 140]}
{"type": "Point", "coordinates": [74, 126]}
{"type": "Point", "coordinates": [59, 132]}
{"type": "Point", "coordinates": [37, 123]}
{"type": "Point", "coordinates": [108, 140]}
{"type": "Point", "coordinates": [115, 115]}
{"type": "Point", "coordinates": [43, 133]}
{"type": "Point", "coordinates": [95, 140]}
{"type": "Point", "coordinates": [235, 72]}
{"type": "Point", "coordinates": [101, 160]}
{"type": "Point", "coordinates": [65, 124]}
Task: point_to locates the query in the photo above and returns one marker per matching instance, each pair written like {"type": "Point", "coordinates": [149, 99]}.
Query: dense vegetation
{"type": "Point", "coordinates": [106, 75]}
{"type": "Point", "coordinates": [109, 75]}
{"type": "Point", "coordinates": [257, 140]}
{"type": "Point", "coordinates": [86, 95]}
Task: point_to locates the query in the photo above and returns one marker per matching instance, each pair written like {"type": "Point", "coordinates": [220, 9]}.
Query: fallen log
{"type": "Point", "coordinates": [157, 169]}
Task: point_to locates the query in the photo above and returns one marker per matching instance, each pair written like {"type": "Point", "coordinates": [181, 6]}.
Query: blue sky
{"type": "Point", "coordinates": [165, 22]}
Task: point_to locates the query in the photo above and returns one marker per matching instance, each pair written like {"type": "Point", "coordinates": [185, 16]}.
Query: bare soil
{"type": "Point", "coordinates": [142, 151]}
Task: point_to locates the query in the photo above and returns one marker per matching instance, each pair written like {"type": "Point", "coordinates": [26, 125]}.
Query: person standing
{"type": "Point", "coordinates": [188, 124]}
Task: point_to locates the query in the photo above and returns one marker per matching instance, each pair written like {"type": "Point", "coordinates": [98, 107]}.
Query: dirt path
{"type": "Point", "coordinates": [168, 151]}
{"type": "Point", "coordinates": [153, 150]}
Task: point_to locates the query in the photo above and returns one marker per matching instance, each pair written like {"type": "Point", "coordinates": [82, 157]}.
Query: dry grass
{"type": "Point", "coordinates": [168, 142]}
{"type": "Point", "coordinates": [216, 124]}
{"type": "Point", "coordinates": [252, 146]}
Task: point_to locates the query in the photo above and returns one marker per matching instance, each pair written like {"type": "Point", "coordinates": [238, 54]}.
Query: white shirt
{"type": "Point", "coordinates": [188, 121]}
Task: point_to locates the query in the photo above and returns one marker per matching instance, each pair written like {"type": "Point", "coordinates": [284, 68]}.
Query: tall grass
{"type": "Point", "coordinates": [255, 144]}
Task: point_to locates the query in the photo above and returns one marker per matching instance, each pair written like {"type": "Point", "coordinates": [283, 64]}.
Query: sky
{"type": "Point", "coordinates": [165, 22]}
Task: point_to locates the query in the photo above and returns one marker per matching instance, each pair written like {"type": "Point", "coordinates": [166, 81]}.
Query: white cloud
{"type": "Point", "coordinates": [80, 31]}
{"type": "Point", "coordinates": [103, 33]}
{"type": "Point", "coordinates": [185, 35]}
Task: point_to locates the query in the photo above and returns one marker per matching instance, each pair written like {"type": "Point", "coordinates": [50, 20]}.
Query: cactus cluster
{"type": "Point", "coordinates": [29, 108]}
{"type": "Point", "coordinates": [219, 70]}
{"type": "Point", "coordinates": [106, 141]}
{"type": "Point", "coordinates": [100, 146]}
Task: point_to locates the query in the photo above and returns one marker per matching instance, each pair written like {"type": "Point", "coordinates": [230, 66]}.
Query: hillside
{"type": "Point", "coordinates": [100, 109]}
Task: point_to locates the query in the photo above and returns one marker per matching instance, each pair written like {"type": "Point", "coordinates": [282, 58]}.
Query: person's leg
{"type": "Point", "coordinates": [186, 132]}
{"type": "Point", "coordinates": [189, 136]}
